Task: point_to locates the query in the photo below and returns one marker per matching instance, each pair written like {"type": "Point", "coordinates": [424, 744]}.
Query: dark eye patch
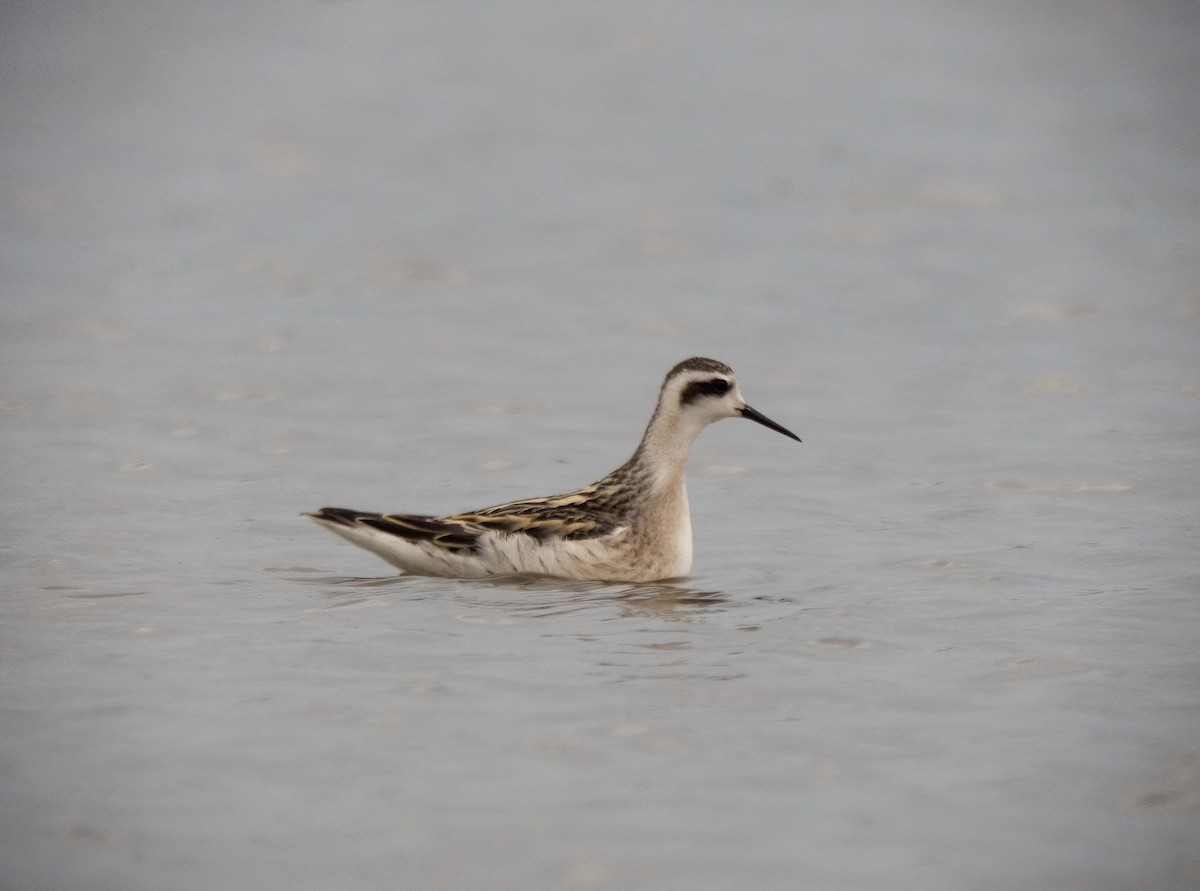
{"type": "Point", "coordinates": [717, 386]}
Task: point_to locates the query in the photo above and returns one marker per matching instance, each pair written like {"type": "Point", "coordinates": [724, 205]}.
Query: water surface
{"type": "Point", "coordinates": [430, 257]}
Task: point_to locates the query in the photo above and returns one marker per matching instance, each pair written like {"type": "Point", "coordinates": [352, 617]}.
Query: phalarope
{"type": "Point", "coordinates": [631, 526]}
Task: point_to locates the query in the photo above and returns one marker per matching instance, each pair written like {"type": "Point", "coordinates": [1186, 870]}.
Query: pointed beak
{"type": "Point", "coordinates": [748, 412]}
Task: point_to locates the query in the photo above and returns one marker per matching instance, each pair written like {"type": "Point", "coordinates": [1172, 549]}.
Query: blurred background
{"type": "Point", "coordinates": [262, 257]}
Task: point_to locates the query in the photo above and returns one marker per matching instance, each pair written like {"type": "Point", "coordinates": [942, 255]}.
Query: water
{"type": "Point", "coordinates": [268, 257]}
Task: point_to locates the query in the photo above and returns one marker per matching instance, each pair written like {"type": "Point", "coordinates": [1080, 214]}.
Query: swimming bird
{"type": "Point", "coordinates": [633, 525]}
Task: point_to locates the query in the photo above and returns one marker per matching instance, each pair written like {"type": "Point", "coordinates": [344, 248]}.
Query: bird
{"type": "Point", "coordinates": [633, 525]}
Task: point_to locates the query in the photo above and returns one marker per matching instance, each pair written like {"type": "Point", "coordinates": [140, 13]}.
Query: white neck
{"type": "Point", "coordinates": [663, 452]}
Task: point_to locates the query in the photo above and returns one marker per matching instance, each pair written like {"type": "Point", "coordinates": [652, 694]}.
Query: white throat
{"type": "Point", "coordinates": [667, 444]}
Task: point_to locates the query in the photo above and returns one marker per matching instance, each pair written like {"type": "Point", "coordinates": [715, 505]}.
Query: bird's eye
{"type": "Point", "coordinates": [719, 385]}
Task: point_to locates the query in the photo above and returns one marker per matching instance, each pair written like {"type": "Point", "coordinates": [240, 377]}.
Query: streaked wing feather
{"type": "Point", "coordinates": [578, 515]}
{"type": "Point", "coordinates": [443, 533]}
{"type": "Point", "coordinates": [575, 515]}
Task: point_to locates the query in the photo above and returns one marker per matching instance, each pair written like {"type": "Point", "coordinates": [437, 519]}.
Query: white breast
{"type": "Point", "coordinates": [683, 542]}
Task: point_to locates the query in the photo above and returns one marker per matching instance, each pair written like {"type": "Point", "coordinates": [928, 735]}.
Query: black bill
{"type": "Point", "coordinates": [750, 413]}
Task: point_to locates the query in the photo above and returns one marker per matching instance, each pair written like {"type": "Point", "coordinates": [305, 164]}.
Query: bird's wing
{"type": "Point", "coordinates": [574, 516]}
{"type": "Point", "coordinates": [442, 532]}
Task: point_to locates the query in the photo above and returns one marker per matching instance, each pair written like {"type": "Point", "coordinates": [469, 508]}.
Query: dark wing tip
{"type": "Point", "coordinates": [448, 535]}
{"type": "Point", "coordinates": [442, 532]}
{"type": "Point", "coordinates": [341, 515]}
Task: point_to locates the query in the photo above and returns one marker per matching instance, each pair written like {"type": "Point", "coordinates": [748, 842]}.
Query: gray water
{"type": "Point", "coordinates": [264, 257]}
